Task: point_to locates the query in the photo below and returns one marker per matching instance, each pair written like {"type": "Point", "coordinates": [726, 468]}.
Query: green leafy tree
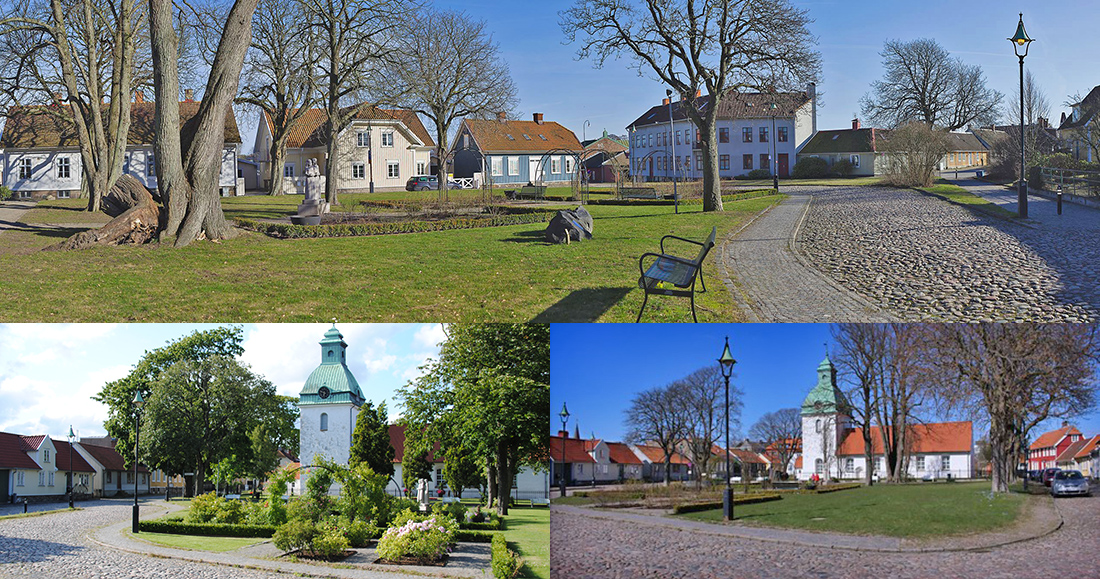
{"type": "Point", "coordinates": [226, 471]}
{"type": "Point", "coordinates": [265, 458]}
{"type": "Point", "coordinates": [370, 442]}
{"type": "Point", "coordinates": [461, 469]}
{"type": "Point", "coordinates": [417, 466]}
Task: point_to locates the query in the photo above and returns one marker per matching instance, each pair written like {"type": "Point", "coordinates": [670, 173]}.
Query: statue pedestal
{"type": "Point", "coordinates": [313, 207]}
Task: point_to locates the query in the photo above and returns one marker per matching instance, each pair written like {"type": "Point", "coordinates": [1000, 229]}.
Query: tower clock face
{"type": "Point", "coordinates": [323, 392]}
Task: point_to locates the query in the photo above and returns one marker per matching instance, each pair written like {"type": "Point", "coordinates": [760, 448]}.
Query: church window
{"type": "Point", "coordinates": [324, 421]}
{"type": "Point", "coordinates": [330, 353]}
{"type": "Point", "coordinates": [819, 466]}
{"type": "Point", "coordinates": [849, 465]}
{"type": "Point", "coordinates": [817, 425]}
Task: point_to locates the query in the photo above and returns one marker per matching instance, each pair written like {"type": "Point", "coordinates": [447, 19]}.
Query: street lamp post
{"type": "Point", "coordinates": [1021, 40]}
{"type": "Point", "coordinates": [726, 363]}
{"type": "Point", "coordinates": [139, 401]}
{"type": "Point", "coordinates": [775, 163]}
{"type": "Point", "coordinates": [71, 451]}
{"type": "Point", "coordinates": [564, 414]}
{"type": "Point", "coordinates": [671, 137]}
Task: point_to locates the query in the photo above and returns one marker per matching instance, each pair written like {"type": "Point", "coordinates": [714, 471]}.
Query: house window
{"type": "Point", "coordinates": [151, 166]}
{"type": "Point", "coordinates": [945, 463]}
{"type": "Point", "coordinates": [555, 165]}
{"type": "Point", "coordinates": [698, 163]}
{"type": "Point", "coordinates": [677, 137]}
{"type": "Point", "coordinates": [513, 165]}
{"type": "Point", "coordinates": [765, 162]}
{"type": "Point", "coordinates": [324, 421]}
{"type": "Point", "coordinates": [288, 170]}
{"type": "Point", "coordinates": [393, 169]}
{"type": "Point", "coordinates": [420, 169]}
{"type": "Point", "coordinates": [362, 139]}
{"type": "Point", "coordinates": [746, 135]}
{"type": "Point", "coordinates": [20, 478]}
{"type": "Point", "coordinates": [51, 479]}
{"type": "Point", "coordinates": [746, 162]}
{"type": "Point", "coordinates": [498, 166]}
{"type": "Point", "coordinates": [63, 168]}
{"type": "Point", "coordinates": [854, 159]}
{"type": "Point", "coordinates": [819, 466]}
{"type": "Point", "coordinates": [781, 135]}
{"type": "Point", "coordinates": [24, 168]}
{"type": "Point", "coordinates": [63, 194]}
{"type": "Point", "coordinates": [108, 476]}
{"type": "Point", "coordinates": [358, 171]}
{"type": "Point", "coordinates": [45, 455]}
{"type": "Point", "coordinates": [41, 479]}
{"type": "Point", "coordinates": [723, 135]}
{"type": "Point", "coordinates": [724, 162]}
{"type": "Point", "coordinates": [129, 477]}
{"type": "Point", "coordinates": [387, 138]}
{"type": "Point", "coordinates": [878, 463]}
{"type": "Point", "coordinates": [763, 134]}
{"type": "Point", "coordinates": [569, 165]}
{"type": "Point", "coordinates": [920, 463]}
{"type": "Point", "coordinates": [849, 465]}
{"type": "Point", "coordinates": [439, 482]}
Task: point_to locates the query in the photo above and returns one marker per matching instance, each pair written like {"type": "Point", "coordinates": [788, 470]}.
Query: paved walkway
{"type": "Point", "coordinates": [778, 284]}
{"type": "Point", "coordinates": [11, 212]}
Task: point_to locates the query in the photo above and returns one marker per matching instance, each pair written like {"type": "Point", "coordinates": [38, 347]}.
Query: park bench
{"type": "Point", "coordinates": [678, 272]}
{"type": "Point", "coordinates": [232, 497]}
{"type": "Point", "coordinates": [448, 500]}
{"type": "Point", "coordinates": [639, 193]}
{"type": "Point", "coordinates": [532, 192]}
{"type": "Point", "coordinates": [540, 502]}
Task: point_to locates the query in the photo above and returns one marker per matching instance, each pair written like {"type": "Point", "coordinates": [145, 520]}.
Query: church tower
{"type": "Point", "coordinates": [329, 403]}
{"type": "Point", "coordinates": [824, 421]}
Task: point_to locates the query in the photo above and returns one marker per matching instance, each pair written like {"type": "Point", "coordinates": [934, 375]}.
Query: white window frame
{"type": "Point", "coordinates": [920, 464]}
{"type": "Point", "coordinates": [819, 466]}
{"type": "Point", "coordinates": [555, 165]}
{"type": "Point", "coordinates": [496, 165]}
{"type": "Point", "coordinates": [51, 479]}
{"type": "Point", "coordinates": [25, 169]}
{"type": "Point", "coordinates": [20, 478]}
{"type": "Point", "coordinates": [64, 194]}
{"type": "Point", "coordinates": [358, 170]}
{"type": "Point", "coordinates": [568, 165]}
{"type": "Point", "coordinates": [854, 160]}
{"type": "Point", "coordinates": [362, 139]}
{"type": "Point", "coordinates": [393, 169]}
{"type": "Point", "coordinates": [849, 465]}
{"type": "Point", "coordinates": [387, 138]}
{"type": "Point", "coordinates": [45, 455]}
{"type": "Point", "coordinates": [41, 478]}
{"type": "Point", "coordinates": [513, 165]}
{"type": "Point", "coordinates": [945, 463]}
{"type": "Point", "coordinates": [421, 168]}
{"type": "Point", "coordinates": [64, 168]}
{"type": "Point", "coordinates": [288, 170]}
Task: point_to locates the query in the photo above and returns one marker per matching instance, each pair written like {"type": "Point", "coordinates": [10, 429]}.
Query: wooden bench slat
{"type": "Point", "coordinates": [674, 272]}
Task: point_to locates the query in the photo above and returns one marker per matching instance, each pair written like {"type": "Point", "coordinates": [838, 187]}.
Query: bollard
{"type": "Point", "coordinates": [24, 506]}
{"type": "Point", "coordinates": [1059, 202]}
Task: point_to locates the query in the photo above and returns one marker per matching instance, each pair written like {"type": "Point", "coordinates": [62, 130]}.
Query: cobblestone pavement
{"type": "Point", "coordinates": [922, 258]}
{"type": "Point", "coordinates": [778, 284]}
{"type": "Point", "coordinates": [585, 547]}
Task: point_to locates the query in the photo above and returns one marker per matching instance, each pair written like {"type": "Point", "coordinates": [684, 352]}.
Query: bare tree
{"type": "Point", "coordinates": [781, 431]}
{"type": "Point", "coordinates": [719, 46]}
{"type": "Point", "coordinates": [701, 395]}
{"type": "Point", "coordinates": [1015, 376]}
{"type": "Point", "coordinates": [354, 38]}
{"type": "Point", "coordinates": [912, 153]}
{"type": "Point", "coordinates": [76, 55]}
{"type": "Point", "coordinates": [278, 76]}
{"type": "Point", "coordinates": [656, 415]}
{"type": "Point", "coordinates": [862, 351]}
{"type": "Point", "coordinates": [450, 70]}
{"type": "Point", "coordinates": [924, 83]}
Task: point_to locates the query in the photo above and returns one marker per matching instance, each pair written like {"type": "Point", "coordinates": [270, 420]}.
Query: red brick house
{"type": "Point", "coordinates": [1044, 452]}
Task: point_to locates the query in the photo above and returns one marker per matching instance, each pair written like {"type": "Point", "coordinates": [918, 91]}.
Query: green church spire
{"type": "Point", "coordinates": [825, 397]}
{"type": "Point", "coordinates": [332, 382]}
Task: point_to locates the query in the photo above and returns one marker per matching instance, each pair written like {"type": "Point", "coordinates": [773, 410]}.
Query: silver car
{"type": "Point", "coordinates": [1069, 482]}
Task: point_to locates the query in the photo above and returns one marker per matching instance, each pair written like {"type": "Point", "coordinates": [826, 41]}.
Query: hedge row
{"type": "Point", "coordinates": [835, 488]}
{"type": "Point", "coordinates": [207, 529]}
{"type": "Point", "coordinates": [711, 505]}
{"type": "Point", "coordinates": [467, 536]}
{"type": "Point", "coordinates": [493, 525]}
{"type": "Point", "coordinates": [695, 201]}
{"type": "Point", "coordinates": [505, 563]}
{"type": "Point", "coordinates": [290, 231]}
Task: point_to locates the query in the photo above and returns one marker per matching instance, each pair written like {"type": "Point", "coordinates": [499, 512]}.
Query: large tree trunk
{"type": "Point", "coordinates": [668, 469]}
{"type": "Point", "coordinates": [491, 491]}
{"type": "Point", "coordinates": [136, 218]}
{"type": "Point", "coordinates": [504, 478]}
{"type": "Point", "coordinates": [712, 183]}
{"type": "Point", "coordinates": [278, 160]}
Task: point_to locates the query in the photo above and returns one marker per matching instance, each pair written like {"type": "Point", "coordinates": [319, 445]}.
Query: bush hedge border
{"type": "Point", "coordinates": [291, 231]}
{"type": "Point", "coordinates": [669, 202]}
{"type": "Point", "coordinates": [711, 505]}
{"type": "Point", "coordinates": [505, 562]}
{"type": "Point", "coordinates": [837, 487]}
{"type": "Point", "coordinates": [207, 529]}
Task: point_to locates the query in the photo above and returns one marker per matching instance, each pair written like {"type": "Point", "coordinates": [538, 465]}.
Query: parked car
{"type": "Point", "coordinates": [1035, 475]}
{"type": "Point", "coordinates": [428, 183]}
{"type": "Point", "coordinates": [1069, 482]}
{"type": "Point", "coordinates": [1048, 475]}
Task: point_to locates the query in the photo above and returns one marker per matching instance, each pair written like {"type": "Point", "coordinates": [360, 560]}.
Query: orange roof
{"type": "Point", "coordinates": [1051, 439]}
{"type": "Point", "coordinates": [655, 454]}
{"type": "Point", "coordinates": [747, 456]}
{"type": "Point", "coordinates": [1090, 445]}
{"type": "Point", "coordinates": [521, 136]}
{"type": "Point", "coordinates": [309, 130]}
{"type": "Point", "coordinates": [1071, 451]}
{"type": "Point", "coordinates": [34, 127]}
{"type": "Point", "coordinates": [923, 438]}
{"type": "Point", "coordinates": [575, 450]}
{"type": "Point", "coordinates": [621, 454]}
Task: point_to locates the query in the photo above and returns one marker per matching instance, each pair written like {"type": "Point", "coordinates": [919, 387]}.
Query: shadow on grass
{"type": "Point", "coordinates": [532, 236]}
{"type": "Point", "coordinates": [583, 305]}
{"type": "Point", "coordinates": [46, 230]}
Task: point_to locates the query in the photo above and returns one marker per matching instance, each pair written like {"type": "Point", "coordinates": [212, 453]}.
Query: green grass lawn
{"type": "Point", "coordinates": [963, 197]}
{"type": "Point", "coordinates": [912, 511]}
{"type": "Point", "coordinates": [490, 274]}
{"type": "Point", "coordinates": [527, 530]}
{"type": "Point", "coordinates": [197, 543]}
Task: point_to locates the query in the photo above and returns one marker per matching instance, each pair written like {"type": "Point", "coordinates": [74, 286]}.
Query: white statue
{"type": "Point", "coordinates": [422, 492]}
{"type": "Point", "coordinates": [313, 180]}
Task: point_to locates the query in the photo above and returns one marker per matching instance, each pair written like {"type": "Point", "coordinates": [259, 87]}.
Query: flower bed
{"type": "Point", "coordinates": [417, 541]}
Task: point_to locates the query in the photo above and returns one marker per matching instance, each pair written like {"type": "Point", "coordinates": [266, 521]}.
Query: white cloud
{"type": "Point", "coordinates": [429, 336]}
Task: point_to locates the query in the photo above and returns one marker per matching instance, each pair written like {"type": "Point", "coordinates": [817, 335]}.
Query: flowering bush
{"type": "Point", "coordinates": [425, 540]}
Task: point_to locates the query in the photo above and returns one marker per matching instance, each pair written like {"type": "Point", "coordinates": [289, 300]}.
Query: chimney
{"type": "Point", "coordinates": [537, 117]}
{"type": "Point", "coordinates": [855, 125]}
{"type": "Point", "coordinates": [664, 102]}
{"type": "Point", "coordinates": [502, 116]}
{"type": "Point", "coordinates": [1063, 118]}
{"type": "Point", "coordinates": [1065, 423]}
{"type": "Point", "coordinates": [189, 95]}
{"type": "Point", "coordinates": [563, 433]}
{"type": "Point", "coordinates": [811, 93]}
{"type": "Point", "coordinates": [139, 97]}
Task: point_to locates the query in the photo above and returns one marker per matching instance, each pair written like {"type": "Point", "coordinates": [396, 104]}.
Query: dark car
{"type": "Point", "coordinates": [1035, 475]}
{"type": "Point", "coordinates": [422, 183]}
{"type": "Point", "coordinates": [1069, 482]}
{"type": "Point", "coordinates": [1048, 475]}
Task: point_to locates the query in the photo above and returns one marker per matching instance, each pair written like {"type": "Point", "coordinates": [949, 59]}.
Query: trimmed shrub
{"type": "Point", "coordinates": [810, 168]}
{"type": "Point", "coordinates": [426, 539]}
{"type": "Point", "coordinates": [296, 534]}
{"type": "Point", "coordinates": [207, 529]}
{"type": "Point", "coordinates": [711, 505]}
{"type": "Point", "coordinates": [759, 174]}
{"type": "Point", "coordinates": [467, 536]}
{"type": "Point", "coordinates": [290, 231]}
{"type": "Point", "coordinates": [505, 563]}
{"type": "Point", "coordinates": [838, 487]}
{"type": "Point", "coordinates": [330, 544]}
{"type": "Point", "coordinates": [843, 167]}
{"type": "Point", "coordinates": [6, 193]}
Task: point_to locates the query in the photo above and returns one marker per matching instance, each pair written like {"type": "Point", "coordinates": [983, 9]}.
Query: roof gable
{"type": "Point", "coordinates": [63, 453]}
{"type": "Point", "coordinates": [941, 437]}
{"type": "Point", "coordinates": [843, 141]}
{"type": "Point", "coordinates": [13, 453]}
{"type": "Point", "coordinates": [1052, 438]}
{"type": "Point", "coordinates": [495, 136]}
{"type": "Point", "coordinates": [1071, 451]}
{"type": "Point", "coordinates": [109, 457]}
{"type": "Point", "coordinates": [309, 131]}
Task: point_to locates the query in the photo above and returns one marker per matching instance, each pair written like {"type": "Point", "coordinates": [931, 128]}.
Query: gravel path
{"type": "Point", "coordinates": [587, 547]}
{"type": "Point", "coordinates": [922, 258]}
{"type": "Point", "coordinates": [779, 285]}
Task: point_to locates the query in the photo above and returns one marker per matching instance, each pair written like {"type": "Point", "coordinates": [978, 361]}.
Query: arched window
{"type": "Point", "coordinates": [330, 353]}
{"type": "Point", "coordinates": [324, 421]}
{"type": "Point", "coordinates": [819, 467]}
{"type": "Point", "coordinates": [817, 425]}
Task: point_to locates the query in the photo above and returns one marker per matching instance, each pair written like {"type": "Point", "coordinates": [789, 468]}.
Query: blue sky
{"type": "Point", "coordinates": [851, 35]}
{"type": "Point", "coordinates": [49, 372]}
{"type": "Point", "coordinates": [597, 368]}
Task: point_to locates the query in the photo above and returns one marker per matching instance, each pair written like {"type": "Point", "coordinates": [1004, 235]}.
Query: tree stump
{"type": "Point", "coordinates": [136, 218]}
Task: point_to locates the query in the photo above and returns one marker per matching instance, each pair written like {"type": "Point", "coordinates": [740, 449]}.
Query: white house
{"type": "Point", "coordinates": [752, 130]}
{"type": "Point", "coordinates": [37, 468]}
{"type": "Point", "coordinates": [379, 148]}
{"type": "Point", "coordinates": [41, 155]}
{"type": "Point", "coordinates": [111, 475]}
{"type": "Point", "coordinates": [833, 448]}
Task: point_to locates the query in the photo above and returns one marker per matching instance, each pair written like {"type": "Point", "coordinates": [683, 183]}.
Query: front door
{"type": "Point", "coordinates": [4, 475]}
{"type": "Point", "coordinates": [783, 165]}
{"type": "Point", "coordinates": [533, 170]}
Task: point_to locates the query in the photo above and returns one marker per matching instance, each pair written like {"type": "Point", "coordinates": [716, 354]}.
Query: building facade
{"type": "Point", "coordinates": [503, 152]}
{"type": "Point", "coordinates": [1044, 452]}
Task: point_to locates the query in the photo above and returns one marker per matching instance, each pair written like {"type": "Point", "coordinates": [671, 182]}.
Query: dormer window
{"type": "Point", "coordinates": [526, 137]}
{"type": "Point", "coordinates": [543, 137]}
{"type": "Point", "coordinates": [510, 137]}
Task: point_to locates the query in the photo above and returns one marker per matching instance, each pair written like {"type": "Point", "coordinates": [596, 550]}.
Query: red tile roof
{"type": "Point", "coordinates": [397, 441]}
{"type": "Point", "coordinates": [109, 458]}
{"type": "Point", "coordinates": [493, 136]}
{"type": "Point", "coordinates": [62, 462]}
{"type": "Point", "coordinates": [33, 442]}
{"type": "Point", "coordinates": [656, 455]}
{"type": "Point", "coordinates": [924, 438]}
{"type": "Point", "coordinates": [1090, 445]}
{"type": "Point", "coordinates": [1071, 451]}
{"type": "Point", "coordinates": [1051, 439]}
{"type": "Point", "coordinates": [309, 131]}
{"type": "Point", "coordinates": [747, 456]}
{"type": "Point", "coordinates": [575, 450]}
{"type": "Point", "coordinates": [12, 454]}
{"type": "Point", "coordinates": [31, 127]}
{"type": "Point", "coordinates": [621, 454]}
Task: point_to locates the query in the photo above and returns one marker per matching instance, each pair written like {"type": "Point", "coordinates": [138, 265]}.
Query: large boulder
{"type": "Point", "coordinates": [570, 225]}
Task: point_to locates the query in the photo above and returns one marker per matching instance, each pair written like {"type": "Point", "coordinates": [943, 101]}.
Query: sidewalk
{"type": "Point", "coordinates": [256, 556]}
{"type": "Point", "coordinates": [1040, 519]}
{"type": "Point", "coordinates": [11, 212]}
{"type": "Point", "coordinates": [1040, 209]}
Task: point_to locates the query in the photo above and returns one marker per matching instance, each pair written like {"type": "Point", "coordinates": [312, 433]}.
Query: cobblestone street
{"type": "Point", "coordinates": [585, 547]}
{"type": "Point", "coordinates": [922, 258]}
